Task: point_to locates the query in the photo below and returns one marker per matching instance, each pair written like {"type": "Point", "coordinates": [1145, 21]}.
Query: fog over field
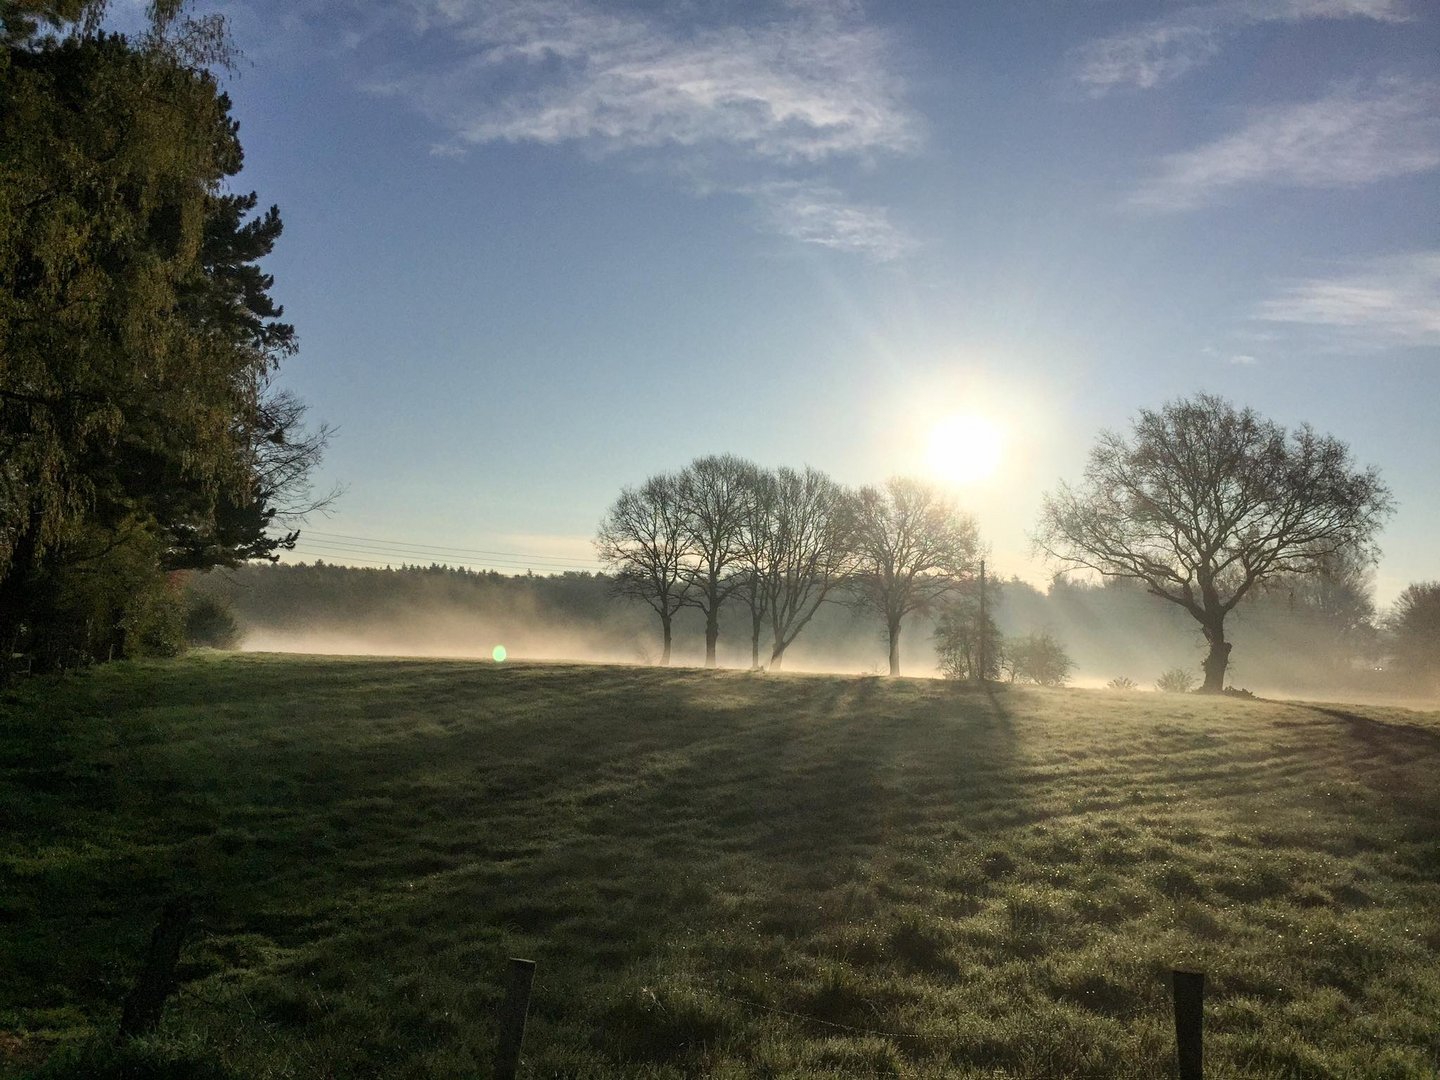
{"type": "Point", "coordinates": [1281, 647]}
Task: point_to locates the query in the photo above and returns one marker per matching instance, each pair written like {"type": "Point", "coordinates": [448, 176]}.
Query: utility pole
{"type": "Point", "coordinates": [984, 626]}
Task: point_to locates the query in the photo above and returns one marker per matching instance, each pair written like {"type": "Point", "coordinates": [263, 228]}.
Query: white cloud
{"type": "Point", "coordinates": [818, 214]}
{"type": "Point", "coordinates": [1347, 139]}
{"type": "Point", "coordinates": [806, 85]}
{"type": "Point", "coordinates": [1163, 49]}
{"type": "Point", "coordinates": [1393, 300]}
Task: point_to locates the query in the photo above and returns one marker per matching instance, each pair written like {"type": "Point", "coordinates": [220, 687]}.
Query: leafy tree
{"type": "Point", "coordinates": [1038, 658]}
{"type": "Point", "coordinates": [210, 622]}
{"type": "Point", "coordinates": [912, 548]}
{"type": "Point", "coordinates": [645, 542]}
{"type": "Point", "coordinates": [137, 336]}
{"type": "Point", "coordinates": [968, 643]}
{"type": "Point", "coordinates": [1414, 626]}
{"type": "Point", "coordinates": [1204, 501]}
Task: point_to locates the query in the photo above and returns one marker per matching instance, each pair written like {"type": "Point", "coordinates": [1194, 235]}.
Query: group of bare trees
{"type": "Point", "coordinates": [1202, 504]}
{"type": "Point", "coordinates": [782, 542]}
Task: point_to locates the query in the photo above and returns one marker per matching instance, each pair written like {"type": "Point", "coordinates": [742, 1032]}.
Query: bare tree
{"type": "Point", "coordinates": [715, 495]}
{"type": "Point", "coordinates": [1203, 501]}
{"type": "Point", "coordinates": [756, 566]}
{"type": "Point", "coordinates": [812, 528]}
{"type": "Point", "coordinates": [644, 541]}
{"type": "Point", "coordinates": [912, 546]}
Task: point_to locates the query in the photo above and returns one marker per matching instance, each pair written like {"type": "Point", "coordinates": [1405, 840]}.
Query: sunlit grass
{"type": "Point", "coordinates": [719, 873]}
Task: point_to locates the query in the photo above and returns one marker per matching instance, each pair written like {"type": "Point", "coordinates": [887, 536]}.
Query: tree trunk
{"type": "Point", "coordinates": [665, 653]}
{"type": "Point", "coordinates": [1218, 659]}
{"type": "Point", "coordinates": [777, 656]}
{"type": "Point", "coordinates": [712, 634]}
{"type": "Point", "coordinates": [893, 626]}
{"type": "Point", "coordinates": [17, 582]}
{"type": "Point", "coordinates": [755, 641]}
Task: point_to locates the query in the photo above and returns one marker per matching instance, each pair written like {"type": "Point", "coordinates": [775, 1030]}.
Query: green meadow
{"type": "Point", "coordinates": [719, 874]}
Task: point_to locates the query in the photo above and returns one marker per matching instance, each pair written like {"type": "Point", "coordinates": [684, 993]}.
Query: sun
{"type": "Point", "coordinates": [965, 449]}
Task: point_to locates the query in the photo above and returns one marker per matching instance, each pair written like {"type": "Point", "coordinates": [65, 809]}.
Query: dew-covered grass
{"type": "Point", "coordinates": [719, 874]}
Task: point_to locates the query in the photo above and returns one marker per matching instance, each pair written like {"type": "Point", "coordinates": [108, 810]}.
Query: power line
{"type": "Point", "coordinates": [442, 548]}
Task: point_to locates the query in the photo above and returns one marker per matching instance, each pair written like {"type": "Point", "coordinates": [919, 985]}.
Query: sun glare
{"type": "Point", "coordinates": [964, 449]}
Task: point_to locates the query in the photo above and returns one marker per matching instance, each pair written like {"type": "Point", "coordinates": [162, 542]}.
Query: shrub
{"type": "Point", "coordinates": [1038, 658]}
{"type": "Point", "coordinates": [1122, 682]}
{"type": "Point", "coordinates": [209, 623]}
{"type": "Point", "coordinates": [1177, 680]}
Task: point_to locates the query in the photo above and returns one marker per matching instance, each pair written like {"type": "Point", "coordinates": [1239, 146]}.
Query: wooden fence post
{"type": "Point", "coordinates": [512, 1018]}
{"type": "Point", "coordinates": [1189, 1022]}
{"type": "Point", "coordinates": [156, 981]}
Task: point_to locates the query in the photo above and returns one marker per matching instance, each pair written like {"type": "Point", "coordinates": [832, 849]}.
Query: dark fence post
{"type": "Point", "coordinates": [156, 981]}
{"type": "Point", "coordinates": [1189, 1022]}
{"type": "Point", "coordinates": [512, 1018]}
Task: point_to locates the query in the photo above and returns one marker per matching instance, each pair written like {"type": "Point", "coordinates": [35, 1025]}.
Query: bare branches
{"type": "Point", "coordinates": [1203, 501]}
{"type": "Point", "coordinates": [644, 541]}
{"type": "Point", "coordinates": [784, 541]}
{"type": "Point", "coordinates": [912, 547]}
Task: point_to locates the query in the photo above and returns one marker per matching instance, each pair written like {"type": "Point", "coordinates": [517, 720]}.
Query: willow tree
{"type": "Point", "coordinates": [1202, 502]}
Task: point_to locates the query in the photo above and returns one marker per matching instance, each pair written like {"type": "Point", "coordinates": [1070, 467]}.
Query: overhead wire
{"type": "Point", "coordinates": [374, 551]}
{"type": "Point", "coordinates": [440, 547]}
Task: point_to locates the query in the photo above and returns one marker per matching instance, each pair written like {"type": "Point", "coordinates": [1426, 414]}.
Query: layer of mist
{"type": "Point", "coordinates": [1280, 649]}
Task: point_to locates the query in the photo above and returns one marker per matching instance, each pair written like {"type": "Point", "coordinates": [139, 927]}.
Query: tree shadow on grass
{"type": "Point", "coordinates": [364, 828]}
{"type": "Point", "coordinates": [1399, 762]}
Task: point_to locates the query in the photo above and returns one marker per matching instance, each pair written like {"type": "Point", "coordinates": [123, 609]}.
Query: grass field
{"type": "Point", "coordinates": [719, 874]}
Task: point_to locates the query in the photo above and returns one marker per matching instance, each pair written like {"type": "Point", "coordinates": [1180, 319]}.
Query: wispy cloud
{"type": "Point", "coordinates": [1347, 139]}
{"type": "Point", "coordinates": [801, 88]}
{"type": "Point", "coordinates": [1393, 300]}
{"type": "Point", "coordinates": [1164, 49]}
{"type": "Point", "coordinates": [818, 214]}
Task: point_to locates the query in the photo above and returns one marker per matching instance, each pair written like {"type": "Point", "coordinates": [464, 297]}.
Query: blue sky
{"type": "Point", "coordinates": [539, 249]}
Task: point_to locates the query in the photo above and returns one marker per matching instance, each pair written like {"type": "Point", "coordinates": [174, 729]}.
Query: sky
{"type": "Point", "coordinates": [537, 250]}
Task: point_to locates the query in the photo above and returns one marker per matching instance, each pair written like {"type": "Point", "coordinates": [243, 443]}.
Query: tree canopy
{"type": "Point", "coordinates": [138, 337]}
{"type": "Point", "coordinates": [1415, 630]}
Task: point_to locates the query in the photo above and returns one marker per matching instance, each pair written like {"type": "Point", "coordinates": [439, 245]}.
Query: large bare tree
{"type": "Point", "coordinates": [1203, 501]}
{"type": "Point", "coordinates": [715, 496]}
{"type": "Point", "coordinates": [644, 541]}
{"type": "Point", "coordinates": [912, 547]}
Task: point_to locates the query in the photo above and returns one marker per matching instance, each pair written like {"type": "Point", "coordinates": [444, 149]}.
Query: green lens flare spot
{"type": "Point", "coordinates": [498, 654]}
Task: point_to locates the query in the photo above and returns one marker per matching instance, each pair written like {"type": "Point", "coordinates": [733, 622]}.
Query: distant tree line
{"type": "Point", "coordinates": [780, 543]}
{"type": "Point", "coordinates": [141, 435]}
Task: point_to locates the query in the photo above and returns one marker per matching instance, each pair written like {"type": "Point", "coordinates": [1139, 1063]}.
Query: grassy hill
{"type": "Point", "coordinates": [719, 873]}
